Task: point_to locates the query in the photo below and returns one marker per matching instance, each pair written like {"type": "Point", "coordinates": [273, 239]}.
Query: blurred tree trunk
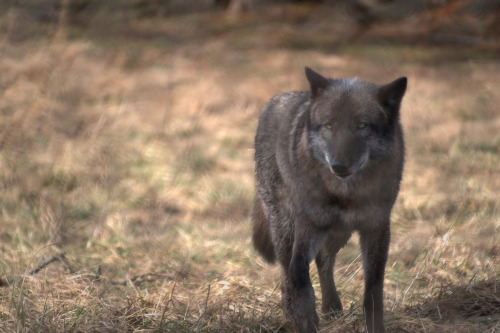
{"type": "Point", "coordinates": [245, 5]}
{"type": "Point", "coordinates": [221, 3]}
{"type": "Point", "coordinates": [241, 6]}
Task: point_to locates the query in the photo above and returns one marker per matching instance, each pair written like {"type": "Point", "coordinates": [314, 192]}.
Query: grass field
{"type": "Point", "coordinates": [126, 174]}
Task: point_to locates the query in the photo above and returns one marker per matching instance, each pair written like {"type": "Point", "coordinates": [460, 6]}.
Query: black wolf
{"type": "Point", "coordinates": [328, 162]}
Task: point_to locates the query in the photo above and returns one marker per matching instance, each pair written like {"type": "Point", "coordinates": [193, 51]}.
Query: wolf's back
{"type": "Point", "coordinates": [275, 122]}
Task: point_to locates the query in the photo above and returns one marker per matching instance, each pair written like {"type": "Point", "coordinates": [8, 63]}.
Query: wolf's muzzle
{"type": "Point", "coordinates": [340, 168]}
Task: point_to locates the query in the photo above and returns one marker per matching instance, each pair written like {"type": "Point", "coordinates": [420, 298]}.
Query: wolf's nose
{"type": "Point", "coordinates": [340, 167]}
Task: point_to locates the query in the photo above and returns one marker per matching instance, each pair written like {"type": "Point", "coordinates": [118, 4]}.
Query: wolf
{"type": "Point", "coordinates": [328, 162]}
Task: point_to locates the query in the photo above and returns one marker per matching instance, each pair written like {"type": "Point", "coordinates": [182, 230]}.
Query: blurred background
{"type": "Point", "coordinates": [126, 160]}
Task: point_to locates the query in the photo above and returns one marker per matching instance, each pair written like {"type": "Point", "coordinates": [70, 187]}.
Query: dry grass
{"type": "Point", "coordinates": [133, 157]}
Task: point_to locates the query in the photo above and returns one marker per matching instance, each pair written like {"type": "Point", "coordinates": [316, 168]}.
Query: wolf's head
{"type": "Point", "coordinates": [352, 121]}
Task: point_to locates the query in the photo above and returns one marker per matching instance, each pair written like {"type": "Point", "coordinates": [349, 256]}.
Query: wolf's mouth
{"type": "Point", "coordinates": [342, 176]}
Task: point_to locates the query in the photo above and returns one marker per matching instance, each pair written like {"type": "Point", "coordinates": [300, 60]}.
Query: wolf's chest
{"type": "Point", "coordinates": [350, 216]}
{"type": "Point", "coordinates": [364, 216]}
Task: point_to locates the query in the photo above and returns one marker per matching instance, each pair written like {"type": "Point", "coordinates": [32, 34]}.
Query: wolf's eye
{"type": "Point", "coordinates": [328, 126]}
{"type": "Point", "coordinates": [362, 125]}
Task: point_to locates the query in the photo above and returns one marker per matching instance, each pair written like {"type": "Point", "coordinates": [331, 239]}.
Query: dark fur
{"type": "Point", "coordinates": [328, 162]}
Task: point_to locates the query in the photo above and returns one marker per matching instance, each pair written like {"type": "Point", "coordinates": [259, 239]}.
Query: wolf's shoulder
{"type": "Point", "coordinates": [287, 98]}
{"type": "Point", "coordinates": [286, 102]}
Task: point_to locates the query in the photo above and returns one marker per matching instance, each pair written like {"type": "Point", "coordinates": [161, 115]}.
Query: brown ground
{"type": "Point", "coordinates": [130, 151]}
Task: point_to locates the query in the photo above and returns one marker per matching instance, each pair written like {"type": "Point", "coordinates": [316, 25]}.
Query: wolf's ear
{"type": "Point", "coordinates": [390, 95]}
{"type": "Point", "coordinates": [317, 82]}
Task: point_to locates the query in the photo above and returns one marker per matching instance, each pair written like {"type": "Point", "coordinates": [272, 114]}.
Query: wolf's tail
{"type": "Point", "coordinates": [261, 234]}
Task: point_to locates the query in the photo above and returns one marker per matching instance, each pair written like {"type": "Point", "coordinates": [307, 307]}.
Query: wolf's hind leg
{"type": "Point", "coordinates": [325, 261]}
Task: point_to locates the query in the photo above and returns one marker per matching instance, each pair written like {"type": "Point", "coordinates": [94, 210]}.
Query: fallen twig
{"type": "Point", "coordinates": [45, 262]}
{"type": "Point", "coordinates": [152, 276]}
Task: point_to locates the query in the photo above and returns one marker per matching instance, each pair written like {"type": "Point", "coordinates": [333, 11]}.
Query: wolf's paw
{"type": "Point", "coordinates": [305, 318]}
{"type": "Point", "coordinates": [329, 315]}
{"type": "Point", "coordinates": [307, 324]}
{"type": "Point", "coordinates": [332, 308]}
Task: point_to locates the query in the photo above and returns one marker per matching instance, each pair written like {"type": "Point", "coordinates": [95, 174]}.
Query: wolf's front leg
{"type": "Point", "coordinates": [325, 261]}
{"type": "Point", "coordinates": [375, 248]}
{"type": "Point", "coordinates": [286, 295]}
{"type": "Point", "coordinates": [302, 293]}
